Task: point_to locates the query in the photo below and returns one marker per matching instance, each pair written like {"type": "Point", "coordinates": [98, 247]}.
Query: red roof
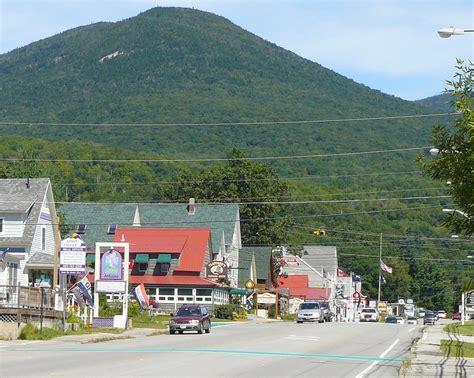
{"type": "Point", "coordinates": [293, 281]}
{"type": "Point", "coordinates": [167, 280]}
{"type": "Point", "coordinates": [191, 243]}
{"type": "Point", "coordinates": [317, 293]}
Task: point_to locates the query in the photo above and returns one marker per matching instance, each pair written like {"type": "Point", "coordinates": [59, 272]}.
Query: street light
{"type": "Point", "coordinates": [457, 211]}
{"type": "Point", "coordinates": [448, 32]}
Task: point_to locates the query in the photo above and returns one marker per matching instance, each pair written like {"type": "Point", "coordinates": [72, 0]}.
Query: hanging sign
{"type": "Point", "coordinates": [72, 258]}
{"type": "Point", "coordinates": [111, 265]}
{"type": "Point", "coordinates": [217, 269]}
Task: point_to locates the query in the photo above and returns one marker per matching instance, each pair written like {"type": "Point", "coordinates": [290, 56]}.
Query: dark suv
{"type": "Point", "coordinates": [191, 317]}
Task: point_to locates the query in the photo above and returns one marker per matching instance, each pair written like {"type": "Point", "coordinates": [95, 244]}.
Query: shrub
{"type": "Point", "coordinates": [290, 317]}
{"type": "Point", "coordinates": [28, 332]}
{"type": "Point", "coordinates": [227, 312]}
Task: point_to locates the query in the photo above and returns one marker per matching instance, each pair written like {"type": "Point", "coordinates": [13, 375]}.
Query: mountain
{"type": "Point", "coordinates": [440, 102]}
{"type": "Point", "coordinates": [175, 65]}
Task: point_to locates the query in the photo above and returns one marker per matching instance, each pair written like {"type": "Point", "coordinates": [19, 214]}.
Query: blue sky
{"type": "Point", "coordinates": [391, 46]}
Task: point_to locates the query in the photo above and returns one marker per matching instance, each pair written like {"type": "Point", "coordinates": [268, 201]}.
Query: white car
{"type": "Point", "coordinates": [412, 320]}
{"type": "Point", "coordinates": [369, 315]}
{"type": "Point", "coordinates": [400, 320]}
{"type": "Point", "coordinates": [442, 314]}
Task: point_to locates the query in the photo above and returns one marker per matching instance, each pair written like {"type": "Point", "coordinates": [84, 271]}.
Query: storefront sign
{"type": "Point", "coordinates": [290, 261]}
{"type": "Point", "coordinates": [339, 291]}
{"type": "Point", "coordinates": [72, 259]}
{"type": "Point", "coordinates": [216, 269]}
{"type": "Point", "coordinates": [118, 287]}
{"type": "Point", "coordinates": [111, 265]}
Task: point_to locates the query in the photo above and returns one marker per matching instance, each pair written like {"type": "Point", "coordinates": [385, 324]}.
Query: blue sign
{"type": "Point", "coordinates": [111, 265]}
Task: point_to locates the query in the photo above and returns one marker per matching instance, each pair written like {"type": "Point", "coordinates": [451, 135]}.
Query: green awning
{"type": "Point", "coordinates": [142, 258]}
{"type": "Point", "coordinates": [164, 258]}
{"type": "Point", "coordinates": [239, 291]}
{"type": "Point", "coordinates": [90, 258]}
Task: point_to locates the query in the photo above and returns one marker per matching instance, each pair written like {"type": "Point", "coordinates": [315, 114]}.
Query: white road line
{"type": "Point", "coordinates": [412, 329]}
{"type": "Point", "coordinates": [295, 337]}
{"type": "Point", "coordinates": [365, 371]}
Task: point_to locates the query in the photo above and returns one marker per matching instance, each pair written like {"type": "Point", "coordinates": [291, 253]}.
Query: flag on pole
{"type": "Point", "coordinates": [385, 267]}
{"type": "Point", "coordinates": [141, 296]}
{"type": "Point", "coordinates": [85, 286]}
{"type": "Point", "coordinates": [341, 273]}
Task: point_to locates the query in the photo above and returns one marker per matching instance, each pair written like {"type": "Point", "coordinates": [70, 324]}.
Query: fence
{"type": "Point", "coordinates": [26, 297]}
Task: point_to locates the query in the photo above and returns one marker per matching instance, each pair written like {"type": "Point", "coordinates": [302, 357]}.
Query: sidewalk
{"type": "Point", "coordinates": [429, 361]}
{"type": "Point", "coordinates": [102, 336]}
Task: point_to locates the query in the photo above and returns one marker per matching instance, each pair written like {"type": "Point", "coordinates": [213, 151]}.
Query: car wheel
{"type": "Point", "coordinates": [180, 332]}
{"type": "Point", "coordinates": [299, 321]}
{"type": "Point", "coordinates": [200, 328]}
{"type": "Point", "coordinates": [172, 332]}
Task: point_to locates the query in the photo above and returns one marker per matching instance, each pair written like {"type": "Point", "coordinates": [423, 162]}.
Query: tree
{"type": "Point", "coordinates": [455, 159]}
{"type": "Point", "coordinates": [254, 185]}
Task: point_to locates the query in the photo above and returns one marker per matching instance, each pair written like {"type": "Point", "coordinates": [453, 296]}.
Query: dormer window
{"type": "Point", "coordinates": [111, 229]}
{"type": "Point", "coordinates": [81, 228]}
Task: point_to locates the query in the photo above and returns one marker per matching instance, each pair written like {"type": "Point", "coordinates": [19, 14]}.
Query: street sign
{"type": "Point", "coordinates": [249, 284]}
{"type": "Point", "coordinates": [72, 258]}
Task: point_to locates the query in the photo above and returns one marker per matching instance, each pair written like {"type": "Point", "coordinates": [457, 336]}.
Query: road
{"type": "Point", "coordinates": [239, 349]}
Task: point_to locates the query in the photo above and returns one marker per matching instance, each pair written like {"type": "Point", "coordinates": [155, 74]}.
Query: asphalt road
{"type": "Point", "coordinates": [239, 349]}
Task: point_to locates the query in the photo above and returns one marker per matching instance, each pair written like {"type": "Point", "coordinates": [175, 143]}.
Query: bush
{"type": "Point", "coordinates": [28, 332]}
{"type": "Point", "coordinates": [134, 309]}
{"type": "Point", "coordinates": [72, 318]}
{"type": "Point", "coordinates": [290, 317]}
{"type": "Point", "coordinates": [227, 312]}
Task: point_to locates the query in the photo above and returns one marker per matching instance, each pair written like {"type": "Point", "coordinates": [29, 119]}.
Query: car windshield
{"type": "Point", "coordinates": [186, 311]}
{"type": "Point", "coordinates": [310, 306]}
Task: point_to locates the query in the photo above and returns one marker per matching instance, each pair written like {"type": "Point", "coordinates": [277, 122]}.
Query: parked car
{"type": "Point", "coordinates": [412, 320]}
{"type": "Point", "coordinates": [310, 311]}
{"type": "Point", "coordinates": [429, 318]}
{"type": "Point", "coordinates": [369, 315]}
{"type": "Point", "coordinates": [400, 320]}
{"type": "Point", "coordinates": [391, 319]}
{"type": "Point", "coordinates": [441, 314]}
{"type": "Point", "coordinates": [191, 318]}
{"type": "Point", "coordinates": [456, 316]}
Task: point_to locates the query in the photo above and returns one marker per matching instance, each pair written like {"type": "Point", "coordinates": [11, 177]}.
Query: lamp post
{"type": "Point", "coordinates": [448, 32]}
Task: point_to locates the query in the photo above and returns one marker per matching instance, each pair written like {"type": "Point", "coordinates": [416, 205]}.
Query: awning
{"type": "Point", "coordinates": [90, 258]}
{"type": "Point", "coordinates": [142, 258]}
{"type": "Point", "coordinates": [239, 291]}
{"type": "Point", "coordinates": [164, 258]}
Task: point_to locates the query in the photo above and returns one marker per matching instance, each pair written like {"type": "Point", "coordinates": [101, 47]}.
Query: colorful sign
{"type": "Point", "coordinates": [72, 258]}
{"type": "Point", "coordinates": [249, 284]}
{"type": "Point", "coordinates": [111, 265]}
{"type": "Point", "coordinates": [216, 269]}
{"type": "Point", "coordinates": [290, 261]}
{"type": "Point", "coordinates": [339, 291]}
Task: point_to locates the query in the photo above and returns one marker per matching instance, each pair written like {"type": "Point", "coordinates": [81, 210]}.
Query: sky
{"type": "Point", "coordinates": [391, 46]}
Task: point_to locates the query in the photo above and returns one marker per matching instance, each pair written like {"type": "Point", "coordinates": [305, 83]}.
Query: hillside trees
{"type": "Point", "coordinates": [245, 182]}
{"type": "Point", "coordinates": [455, 160]}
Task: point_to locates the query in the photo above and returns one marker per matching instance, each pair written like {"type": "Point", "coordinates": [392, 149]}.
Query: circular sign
{"type": "Point", "coordinates": [249, 284]}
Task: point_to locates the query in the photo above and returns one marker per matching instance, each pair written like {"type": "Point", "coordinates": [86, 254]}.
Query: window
{"type": "Point", "coordinates": [185, 291]}
{"type": "Point", "coordinates": [81, 228]}
{"type": "Point", "coordinates": [204, 292]}
{"type": "Point", "coordinates": [111, 229]}
{"type": "Point", "coordinates": [43, 238]}
{"type": "Point", "coordinates": [1, 225]}
{"type": "Point", "coordinates": [166, 291]}
{"type": "Point", "coordinates": [164, 268]}
{"type": "Point", "coordinates": [142, 267]}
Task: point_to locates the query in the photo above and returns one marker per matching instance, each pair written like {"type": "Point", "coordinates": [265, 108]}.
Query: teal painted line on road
{"type": "Point", "coordinates": [223, 351]}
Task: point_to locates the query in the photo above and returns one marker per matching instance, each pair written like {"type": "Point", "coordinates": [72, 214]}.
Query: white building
{"type": "Point", "coordinates": [28, 231]}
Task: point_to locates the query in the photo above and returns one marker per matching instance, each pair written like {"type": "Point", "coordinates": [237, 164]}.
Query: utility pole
{"type": "Point", "coordinates": [380, 269]}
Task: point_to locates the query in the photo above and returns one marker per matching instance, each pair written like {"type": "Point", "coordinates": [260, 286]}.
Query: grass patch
{"type": "Point", "coordinates": [31, 332]}
{"type": "Point", "coordinates": [466, 329]}
{"type": "Point", "coordinates": [144, 320]}
{"type": "Point", "coordinates": [454, 348]}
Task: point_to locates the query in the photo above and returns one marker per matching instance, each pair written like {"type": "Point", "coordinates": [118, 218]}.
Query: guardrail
{"type": "Point", "coordinates": [26, 297]}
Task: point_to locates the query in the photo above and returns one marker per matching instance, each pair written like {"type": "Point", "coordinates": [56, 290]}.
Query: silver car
{"type": "Point", "coordinates": [310, 311]}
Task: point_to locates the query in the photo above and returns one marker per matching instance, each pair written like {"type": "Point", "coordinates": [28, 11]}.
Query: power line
{"type": "Point", "coordinates": [291, 157]}
{"type": "Point", "coordinates": [308, 177]}
{"type": "Point", "coordinates": [250, 123]}
{"type": "Point", "coordinates": [408, 258]}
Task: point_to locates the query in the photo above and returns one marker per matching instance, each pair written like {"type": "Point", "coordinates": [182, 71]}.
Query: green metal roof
{"type": "Point", "coordinates": [262, 262]}
{"type": "Point", "coordinates": [164, 258]}
{"type": "Point", "coordinates": [239, 291]}
{"type": "Point", "coordinates": [141, 258]}
{"type": "Point", "coordinates": [97, 217]}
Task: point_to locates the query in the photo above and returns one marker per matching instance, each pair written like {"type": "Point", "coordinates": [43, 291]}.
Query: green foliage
{"type": "Point", "coordinates": [227, 311]}
{"type": "Point", "coordinates": [455, 162]}
{"type": "Point", "coordinates": [134, 310]}
{"type": "Point", "coordinates": [457, 349]}
{"type": "Point", "coordinates": [240, 315]}
{"type": "Point", "coordinates": [289, 317]}
{"type": "Point", "coordinates": [73, 318]}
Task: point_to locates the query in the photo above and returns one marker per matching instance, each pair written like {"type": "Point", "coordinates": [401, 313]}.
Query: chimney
{"type": "Point", "coordinates": [191, 207]}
